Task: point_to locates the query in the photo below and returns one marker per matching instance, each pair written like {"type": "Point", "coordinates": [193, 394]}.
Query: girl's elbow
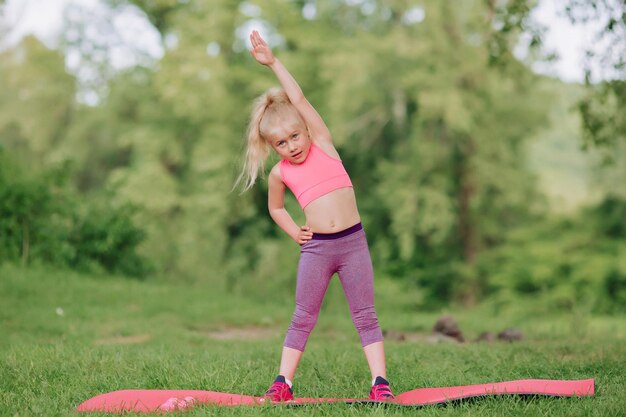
{"type": "Point", "coordinates": [274, 211]}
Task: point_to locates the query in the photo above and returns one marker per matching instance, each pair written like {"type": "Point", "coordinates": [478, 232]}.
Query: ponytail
{"type": "Point", "coordinates": [267, 110]}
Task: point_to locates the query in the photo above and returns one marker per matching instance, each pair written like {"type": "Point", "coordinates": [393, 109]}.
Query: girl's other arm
{"type": "Point", "coordinates": [263, 54]}
{"type": "Point", "coordinates": [276, 207]}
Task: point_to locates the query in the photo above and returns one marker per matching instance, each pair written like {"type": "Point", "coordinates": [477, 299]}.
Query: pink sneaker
{"type": "Point", "coordinates": [381, 390]}
{"type": "Point", "coordinates": [279, 391]}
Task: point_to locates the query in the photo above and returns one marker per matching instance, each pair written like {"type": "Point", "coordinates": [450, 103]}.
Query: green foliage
{"type": "Point", "coordinates": [602, 108]}
{"type": "Point", "coordinates": [43, 221]}
{"type": "Point", "coordinates": [573, 263]}
{"type": "Point", "coordinates": [106, 237]}
{"type": "Point", "coordinates": [430, 110]}
{"type": "Point", "coordinates": [34, 214]}
{"type": "Point", "coordinates": [602, 113]}
{"type": "Point", "coordinates": [36, 101]}
{"type": "Point", "coordinates": [609, 217]}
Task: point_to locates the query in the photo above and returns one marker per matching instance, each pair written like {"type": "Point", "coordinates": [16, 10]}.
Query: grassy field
{"type": "Point", "coordinates": [66, 338]}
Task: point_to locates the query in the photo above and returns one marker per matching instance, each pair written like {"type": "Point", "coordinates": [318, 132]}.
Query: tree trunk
{"type": "Point", "coordinates": [467, 233]}
{"type": "Point", "coordinates": [465, 194]}
{"type": "Point", "coordinates": [25, 242]}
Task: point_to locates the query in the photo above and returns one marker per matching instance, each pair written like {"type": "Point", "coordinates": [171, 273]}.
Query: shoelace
{"type": "Point", "coordinates": [383, 390]}
{"type": "Point", "coordinates": [276, 386]}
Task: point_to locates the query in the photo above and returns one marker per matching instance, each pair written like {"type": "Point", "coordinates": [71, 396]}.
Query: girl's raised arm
{"type": "Point", "coordinates": [263, 54]}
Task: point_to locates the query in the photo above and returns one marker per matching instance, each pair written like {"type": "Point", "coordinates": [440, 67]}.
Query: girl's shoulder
{"type": "Point", "coordinates": [275, 180]}
{"type": "Point", "coordinates": [275, 171]}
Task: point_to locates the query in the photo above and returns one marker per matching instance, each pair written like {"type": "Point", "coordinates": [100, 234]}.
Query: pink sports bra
{"type": "Point", "coordinates": [319, 174]}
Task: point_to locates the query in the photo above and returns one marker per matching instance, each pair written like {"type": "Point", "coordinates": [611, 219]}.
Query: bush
{"type": "Point", "coordinates": [107, 236]}
{"type": "Point", "coordinates": [43, 220]}
{"type": "Point", "coordinates": [570, 263]}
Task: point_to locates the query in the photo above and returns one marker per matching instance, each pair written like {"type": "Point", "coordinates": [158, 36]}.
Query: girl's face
{"type": "Point", "coordinates": [291, 142]}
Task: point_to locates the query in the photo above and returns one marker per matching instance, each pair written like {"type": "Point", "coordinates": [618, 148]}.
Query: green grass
{"type": "Point", "coordinates": [119, 334]}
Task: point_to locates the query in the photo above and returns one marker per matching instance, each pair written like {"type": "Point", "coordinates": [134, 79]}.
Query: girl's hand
{"type": "Point", "coordinates": [304, 235]}
{"type": "Point", "coordinates": [261, 51]}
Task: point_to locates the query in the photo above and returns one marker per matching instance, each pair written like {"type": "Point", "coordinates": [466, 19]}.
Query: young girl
{"type": "Point", "coordinates": [332, 240]}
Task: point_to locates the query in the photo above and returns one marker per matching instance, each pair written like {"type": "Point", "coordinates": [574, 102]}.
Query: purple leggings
{"type": "Point", "coordinates": [347, 254]}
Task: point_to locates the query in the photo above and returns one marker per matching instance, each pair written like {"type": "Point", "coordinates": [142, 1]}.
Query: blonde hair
{"type": "Point", "coordinates": [270, 110]}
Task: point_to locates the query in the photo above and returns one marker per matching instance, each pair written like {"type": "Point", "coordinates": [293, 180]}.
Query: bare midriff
{"type": "Point", "coordinates": [332, 212]}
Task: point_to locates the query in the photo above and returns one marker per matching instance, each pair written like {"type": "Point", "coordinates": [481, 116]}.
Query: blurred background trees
{"type": "Point", "coordinates": [447, 136]}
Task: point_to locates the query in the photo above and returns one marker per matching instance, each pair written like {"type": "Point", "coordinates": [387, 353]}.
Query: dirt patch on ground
{"type": "Point", "coordinates": [398, 336]}
{"type": "Point", "coordinates": [242, 333]}
{"type": "Point", "coordinates": [123, 340]}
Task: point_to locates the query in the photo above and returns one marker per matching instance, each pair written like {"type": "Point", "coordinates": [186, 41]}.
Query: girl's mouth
{"type": "Point", "coordinates": [296, 156]}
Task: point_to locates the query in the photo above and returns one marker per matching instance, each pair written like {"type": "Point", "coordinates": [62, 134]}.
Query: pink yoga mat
{"type": "Point", "coordinates": [154, 400]}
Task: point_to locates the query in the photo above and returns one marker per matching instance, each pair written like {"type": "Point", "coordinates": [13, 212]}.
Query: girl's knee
{"type": "Point", "coordinates": [365, 319]}
{"type": "Point", "coordinates": [304, 320]}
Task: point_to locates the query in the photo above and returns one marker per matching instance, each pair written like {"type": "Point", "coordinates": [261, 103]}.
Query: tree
{"type": "Point", "coordinates": [36, 102]}
{"type": "Point", "coordinates": [432, 135]}
{"type": "Point", "coordinates": [602, 109]}
{"type": "Point", "coordinates": [431, 130]}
